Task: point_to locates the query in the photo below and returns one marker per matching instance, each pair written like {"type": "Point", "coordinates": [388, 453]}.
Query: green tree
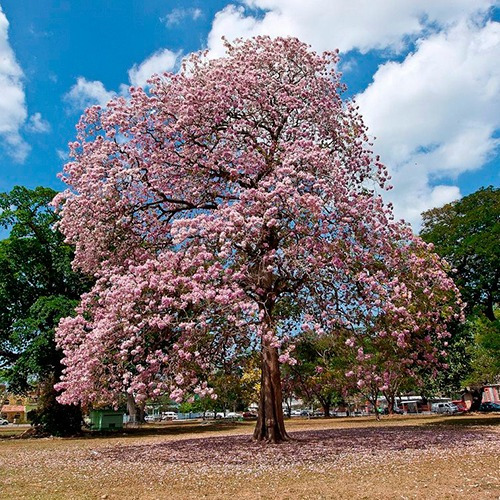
{"type": "Point", "coordinates": [484, 356]}
{"type": "Point", "coordinates": [466, 233]}
{"type": "Point", "coordinates": [37, 288]}
{"type": "Point", "coordinates": [319, 374]}
{"type": "Point", "coordinates": [450, 381]}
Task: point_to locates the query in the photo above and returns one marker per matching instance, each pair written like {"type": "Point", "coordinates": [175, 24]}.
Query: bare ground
{"type": "Point", "coordinates": [420, 457]}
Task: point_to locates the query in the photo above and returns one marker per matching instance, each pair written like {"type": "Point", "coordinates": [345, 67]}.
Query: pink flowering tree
{"type": "Point", "coordinates": [410, 337]}
{"type": "Point", "coordinates": [224, 209]}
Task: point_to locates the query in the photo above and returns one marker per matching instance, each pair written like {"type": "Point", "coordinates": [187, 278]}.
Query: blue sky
{"type": "Point", "coordinates": [424, 72]}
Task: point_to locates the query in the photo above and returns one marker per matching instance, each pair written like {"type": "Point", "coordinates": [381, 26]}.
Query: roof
{"type": "Point", "coordinates": [13, 408]}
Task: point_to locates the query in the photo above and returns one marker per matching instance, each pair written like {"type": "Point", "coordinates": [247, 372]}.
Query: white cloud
{"type": "Point", "coordinates": [37, 124]}
{"type": "Point", "coordinates": [62, 154]}
{"type": "Point", "coordinates": [330, 24]}
{"type": "Point", "coordinates": [435, 113]}
{"type": "Point", "coordinates": [13, 111]}
{"type": "Point", "coordinates": [158, 63]}
{"type": "Point", "coordinates": [178, 15]}
{"type": "Point", "coordinates": [87, 93]}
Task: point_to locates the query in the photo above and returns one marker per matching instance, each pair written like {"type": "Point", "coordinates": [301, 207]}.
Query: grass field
{"type": "Point", "coordinates": [396, 458]}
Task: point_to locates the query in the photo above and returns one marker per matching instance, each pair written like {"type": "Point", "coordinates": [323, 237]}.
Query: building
{"type": "Point", "coordinates": [491, 393]}
{"type": "Point", "coordinates": [15, 408]}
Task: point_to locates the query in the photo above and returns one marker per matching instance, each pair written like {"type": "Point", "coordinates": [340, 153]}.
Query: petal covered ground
{"type": "Point", "coordinates": [431, 458]}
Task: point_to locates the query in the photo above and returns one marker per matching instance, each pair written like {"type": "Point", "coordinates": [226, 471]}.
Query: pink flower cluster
{"type": "Point", "coordinates": [230, 203]}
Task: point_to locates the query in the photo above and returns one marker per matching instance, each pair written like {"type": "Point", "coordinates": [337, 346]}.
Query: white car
{"type": "Point", "coordinates": [234, 415]}
{"type": "Point", "coordinates": [169, 415]}
{"type": "Point", "coordinates": [3, 421]}
{"type": "Point", "coordinates": [152, 418]}
{"type": "Point", "coordinates": [448, 408]}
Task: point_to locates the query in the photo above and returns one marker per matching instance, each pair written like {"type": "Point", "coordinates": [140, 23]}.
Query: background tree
{"type": "Point", "coordinates": [37, 288]}
{"type": "Point", "coordinates": [449, 381]}
{"type": "Point", "coordinates": [484, 357]}
{"type": "Point", "coordinates": [223, 210]}
{"type": "Point", "coordinates": [319, 374]}
{"type": "Point", "coordinates": [466, 233]}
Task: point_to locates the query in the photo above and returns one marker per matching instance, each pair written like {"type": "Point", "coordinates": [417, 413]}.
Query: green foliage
{"type": "Point", "coordinates": [466, 233]}
{"type": "Point", "coordinates": [484, 352]}
{"type": "Point", "coordinates": [450, 382]}
{"type": "Point", "coordinates": [319, 374]}
{"type": "Point", "coordinates": [37, 288]}
{"type": "Point", "coordinates": [198, 405]}
{"type": "Point", "coordinates": [39, 359]}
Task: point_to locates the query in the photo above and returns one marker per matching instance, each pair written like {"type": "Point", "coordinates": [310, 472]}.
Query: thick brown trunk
{"type": "Point", "coordinates": [270, 425]}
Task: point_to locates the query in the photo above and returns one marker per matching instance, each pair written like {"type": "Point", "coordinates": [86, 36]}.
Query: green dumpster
{"type": "Point", "coordinates": [104, 420]}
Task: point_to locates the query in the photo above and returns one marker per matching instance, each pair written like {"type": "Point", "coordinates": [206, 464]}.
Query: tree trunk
{"type": "Point", "coordinates": [489, 309]}
{"type": "Point", "coordinates": [373, 399]}
{"type": "Point", "coordinates": [270, 425]}
{"type": "Point", "coordinates": [375, 407]}
{"type": "Point", "coordinates": [391, 402]}
{"type": "Point", "coordinates": [477, 398]}
{"type": "Point", "coordinates": [326, 409]}
{"type": "Point", "coordinates": [132, 410]}
{"type": "Point", "coordinates": [141, 411]}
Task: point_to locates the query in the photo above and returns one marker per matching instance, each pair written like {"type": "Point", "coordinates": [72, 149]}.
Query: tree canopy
{"type": "Point", "coordinates": [466, 233]}
{"type": "Point", "coordinates": [37, 288]}
{"type": "Point", "coordinates": [228, 208]}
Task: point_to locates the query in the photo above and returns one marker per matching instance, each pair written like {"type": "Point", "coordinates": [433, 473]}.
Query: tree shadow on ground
{"type": "Point", "coordinates": [170, 429]}
{"type": "Point", "coordinates": [304, 447]}
{"type": "Point", "coordinates": [465, 421]}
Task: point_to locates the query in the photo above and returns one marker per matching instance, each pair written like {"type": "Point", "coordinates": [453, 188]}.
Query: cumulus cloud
{"type": "Point", "coordinates": [87, 93]}
{"type": "Point", "coordinates": [330, 24]}
{"type": "Point", "coordinates": [37, 124]}
{"type": "Point", "coordinates": [13, 110]}
{"type": "Point", "coordinates": [178, 15]}
{"type": "Point", "coordinates": [435, 113]}
{"type": "Point", "coordinates": [160, 62]}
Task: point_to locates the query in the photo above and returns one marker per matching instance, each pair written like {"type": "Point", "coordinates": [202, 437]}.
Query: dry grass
{"type": "Point", "coordinates": [9, 430]}
{"type": "Point", "coordinates": [400, 457]}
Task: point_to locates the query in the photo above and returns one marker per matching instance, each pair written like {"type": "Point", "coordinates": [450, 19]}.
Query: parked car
{"type": "Point", "coordinates": [306, 413]}
{"type": "Point", "coordinates": [447, 408]}
{"type": "Point", "coordinates": [396, 410]}
{"type": "Point", "coordinates": [462, 407]}
{"type": "Point", "coordinates": [296, 413]}
{"type": "Point", "coordinates": [3, 421]}
{"type": "Point", "coordinates": [249, 415]}
{"type": "Point", "coordinates": [152, 418]}
{"type": "Point", "coordinates": [489, 407]}
{"type": "Point", "coordinates": [169, 415]}
{"type": "Point", "coordinates": [233, 415]}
